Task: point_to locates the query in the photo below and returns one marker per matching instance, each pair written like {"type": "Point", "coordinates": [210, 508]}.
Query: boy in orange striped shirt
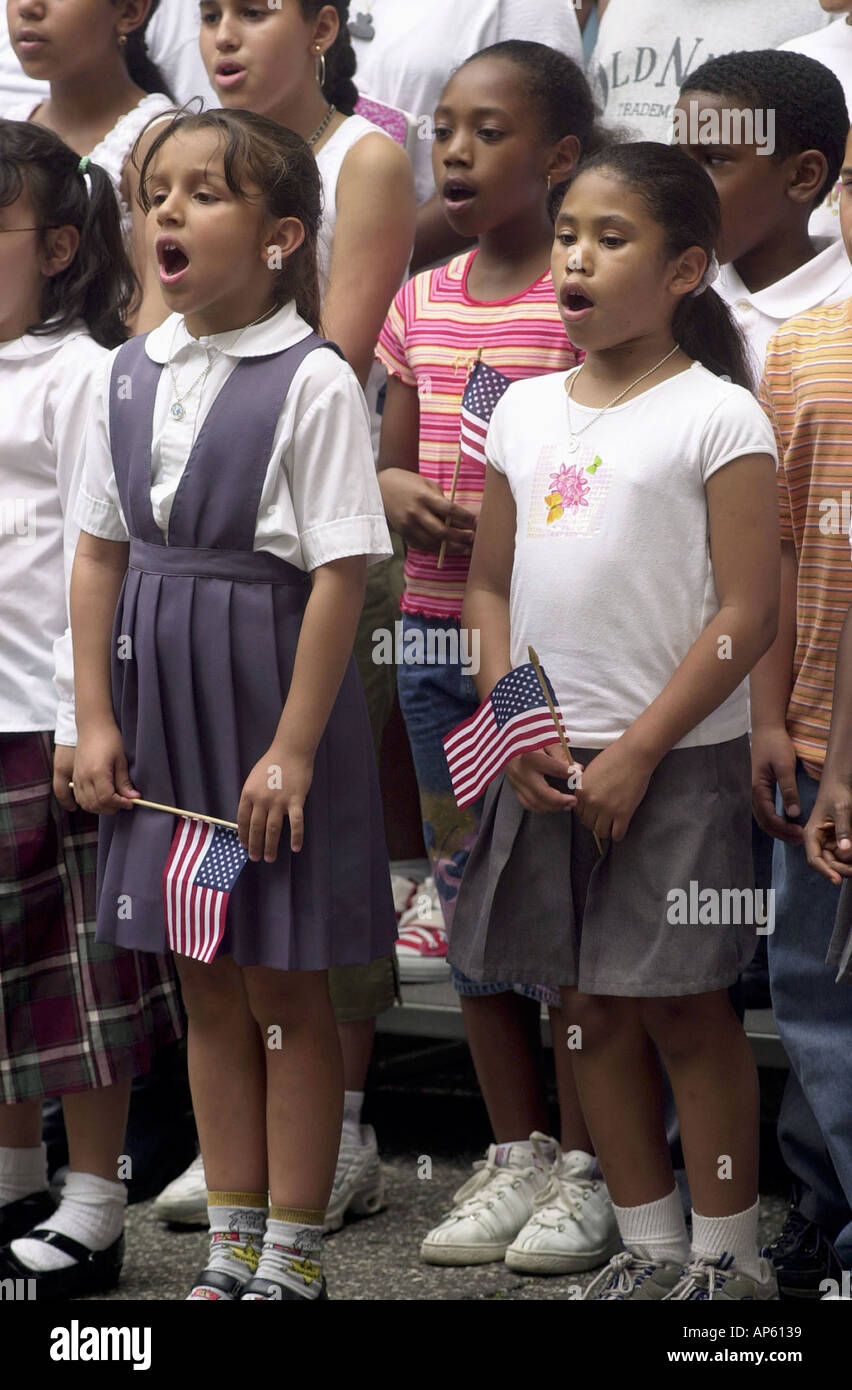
{"type": "Point", "coordinates": [807, 392]}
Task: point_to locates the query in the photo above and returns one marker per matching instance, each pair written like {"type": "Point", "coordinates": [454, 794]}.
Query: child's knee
{"type": "Point", "coordinates": [294, 999]}
{"type": "Point", "coordinates": [675, 1024]}
{"type": "Point", "coordinates": [209, 990]}
{"type": "Point", "coordinates": [590, 1020]}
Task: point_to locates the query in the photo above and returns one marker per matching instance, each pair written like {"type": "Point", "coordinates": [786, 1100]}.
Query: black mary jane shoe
{"type": "Point", "coordinates": [223, 1288]}
{"type": "Point", "coordinates": [275, 1292]}
{"type": "Point", "coordinates": [18, 1218]}
{"type": "Point", "coordinates": [94, 1271]}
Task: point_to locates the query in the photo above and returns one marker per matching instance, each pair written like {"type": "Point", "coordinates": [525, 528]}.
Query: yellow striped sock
{"type": "Point", "coordinates": [237, 1199]}
{"type": "Point", "coordinates": [301, 1216]}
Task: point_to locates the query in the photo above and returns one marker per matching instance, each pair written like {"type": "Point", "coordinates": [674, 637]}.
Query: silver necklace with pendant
{"type": "Point", "coordinates": [573, 442]}
{"type": "Point", "coordinates": [177, 409]}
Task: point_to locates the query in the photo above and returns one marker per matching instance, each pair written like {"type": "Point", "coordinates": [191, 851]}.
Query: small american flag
{"type": "Point", "coordinates": [484, 388]}
{"type": "Point", "coordinates": [203, 865]}
{"type": "Point", "coordinates": [514, 719]}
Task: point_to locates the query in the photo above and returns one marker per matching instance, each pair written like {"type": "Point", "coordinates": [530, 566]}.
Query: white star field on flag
{"type": "Point", "coordinates": [222, 862]}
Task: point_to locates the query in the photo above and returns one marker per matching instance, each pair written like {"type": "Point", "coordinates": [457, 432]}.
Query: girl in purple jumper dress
{"type": "Point", "coordinates": [231, 449]}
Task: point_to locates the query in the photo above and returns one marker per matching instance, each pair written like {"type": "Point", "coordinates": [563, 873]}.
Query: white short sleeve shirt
{"type": "Point", "coordinates": [320, 500]}
{"type": "Point", "coordinates": [612, 580]}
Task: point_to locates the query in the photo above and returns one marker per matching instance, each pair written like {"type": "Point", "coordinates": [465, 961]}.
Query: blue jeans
{"type": "Point", "coordinates": [814, 1018]}
{"type": "Point", "coordinates": [434, 697]}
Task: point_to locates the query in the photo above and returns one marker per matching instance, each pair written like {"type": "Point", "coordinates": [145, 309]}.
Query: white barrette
{"type": "Point", "coordinates": [711, 273]}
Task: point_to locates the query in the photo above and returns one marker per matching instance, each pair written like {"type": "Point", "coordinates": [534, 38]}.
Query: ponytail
{"type": "Point", "coordinates": [703, 327]}
{"type": "Point", "coordinates": [141, 69]}
{"type": "Point", "coordinates": [340, 60]}
{"type": "Point", "coordinates": [684, 203]}
{"type": "Point", "coordinates": [99, 286]}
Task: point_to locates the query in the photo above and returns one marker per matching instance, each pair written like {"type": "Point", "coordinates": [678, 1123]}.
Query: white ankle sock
{"type": "Point", "coordinates": [353, 1102]}
{"type": "Point", "coordinates": [236, 1234]}
{"type": "Point", "coordinates": [91, 1211]}
{"type": "Point", "coordinates": [656, 1230]}
{"type": "Point", "coordinates": [292, 1255]}
{"type": "Point", "coordinates": [729, 1235]}
{"type": "Point", "coordinates": [22, 1172]}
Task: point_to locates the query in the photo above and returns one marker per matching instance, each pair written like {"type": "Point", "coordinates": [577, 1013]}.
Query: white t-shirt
{"type": "Point", "coordinates": [825, 279]}
{"type": "Point", "coordinates": [645, 48]}
{"type": "Point", "coordinates": [320, 499]}
{"type": "Point", "coordinates": [172, 45]}
{"type": "Point", "coordinates": [45, 386]}
{"type": "Point", "coordinates": [612, 580]}
{"type": "Point", "coordinates": [418, 43]}
{"type": "Point", "coordinates": [833, 47]}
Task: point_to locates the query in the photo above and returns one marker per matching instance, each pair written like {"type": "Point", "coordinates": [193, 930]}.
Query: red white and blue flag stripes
{"type": "Point", "coordinates": [204, 863]}
{"type": "Point", "coordinates": [514, 719]}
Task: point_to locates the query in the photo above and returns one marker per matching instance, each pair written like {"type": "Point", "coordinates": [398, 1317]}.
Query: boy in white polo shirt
{"type": "Point", "coordinates": [794, 109]}
{"type": "Point", "coordinates": [831, 45]}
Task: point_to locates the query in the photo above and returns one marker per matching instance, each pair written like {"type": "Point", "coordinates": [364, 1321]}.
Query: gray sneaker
{"type": "Point", "coordinates": [716, 1277]}
{"type": "Point", "coordinates": [627, 1277]}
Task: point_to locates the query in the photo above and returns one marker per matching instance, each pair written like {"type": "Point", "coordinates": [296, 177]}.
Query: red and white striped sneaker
{"type": "Point", "coordinates": [421, 948]}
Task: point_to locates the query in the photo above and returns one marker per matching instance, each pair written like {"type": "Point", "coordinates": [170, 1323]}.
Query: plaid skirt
{"type": "Point", "coordinates": [74, 1014]}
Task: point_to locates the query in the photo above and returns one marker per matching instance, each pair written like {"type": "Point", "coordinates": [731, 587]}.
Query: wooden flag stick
{"type": "Point", "coordinates": [176, 811]}
{"type": "Point", "coordinates": [443, 551]}
{"type": "Point", "coordinates": [559, 729]}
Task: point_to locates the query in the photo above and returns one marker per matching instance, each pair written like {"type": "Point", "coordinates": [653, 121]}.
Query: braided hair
{"type": "Point", "coordinates": [340, 60]}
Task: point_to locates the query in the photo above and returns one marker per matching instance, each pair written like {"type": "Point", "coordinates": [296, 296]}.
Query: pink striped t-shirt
{"type": "Point", "coordinates": [430, 340]}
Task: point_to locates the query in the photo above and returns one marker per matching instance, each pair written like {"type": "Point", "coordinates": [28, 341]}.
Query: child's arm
{"type": "Point", "coordinates": [101, 779]}
{"type": "Point", "coordinates": [376, 211]}
{"type": "Point", "coordinates": [416, 507]}
{"type": "Point", "coordinates": [279, 782]}
{"type": "Point", "coordinates": [828, 833]}
{"type": "Point", "coordinates": [486, 610]}
{"type": "Point", "coordinates": [773, 755]}
{"type": "Point", "coordinates": [743, 516]}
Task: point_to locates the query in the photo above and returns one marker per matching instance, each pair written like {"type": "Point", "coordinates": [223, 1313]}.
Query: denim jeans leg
{"type": "Point", "coordinates": [814, 1018]}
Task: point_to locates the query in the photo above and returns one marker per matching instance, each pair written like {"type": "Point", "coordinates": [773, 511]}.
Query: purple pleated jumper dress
{"type": "Point", "coordinates": [199, 688]}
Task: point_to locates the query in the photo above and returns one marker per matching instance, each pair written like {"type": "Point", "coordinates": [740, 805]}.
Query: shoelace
{"type": "Point", "coordinates": [486, 1174]}
{"type": "Point", "coordinates": [562, 1191]}
{"type": "Point", "coordinates": [617, 1279]}
{"type": "Point", "coordinates": [702, 1276]}
{"type": "Point", "coordinates": [790, 1234]}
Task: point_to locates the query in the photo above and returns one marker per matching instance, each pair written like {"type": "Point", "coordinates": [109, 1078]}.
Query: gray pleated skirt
{"type": "Point", "coordinates": [669, 910]}
{"type": "Point", "coordinates": [840, 946]}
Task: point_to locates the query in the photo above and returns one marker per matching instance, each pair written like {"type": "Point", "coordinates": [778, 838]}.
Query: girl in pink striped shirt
{"type": "Point", "coordinates": [511, 120]}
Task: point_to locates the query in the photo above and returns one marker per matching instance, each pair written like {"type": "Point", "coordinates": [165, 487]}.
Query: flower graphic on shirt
{"type": "Point", "coordinates": [568, 490]}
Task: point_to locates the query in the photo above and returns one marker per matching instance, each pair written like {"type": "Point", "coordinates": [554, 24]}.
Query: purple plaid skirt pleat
{"type": "Point", "coordinates": [75, 1014]}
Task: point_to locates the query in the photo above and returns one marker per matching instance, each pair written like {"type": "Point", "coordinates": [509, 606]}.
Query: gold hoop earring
{"type": "Point", "coordinates": [122, 40]}
{"type": "Point", "coordinates": [548, 183]}
{"type": "Point", "coordinates": [320, 68]}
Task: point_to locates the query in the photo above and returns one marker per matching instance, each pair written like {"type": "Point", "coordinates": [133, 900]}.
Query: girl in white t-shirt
{"type": "Point", "coordinates": [629, 533]}
{"type": "Point", "coordinates": [79, 1020]}
{"type": "Point", "coordinates": [104, 89]}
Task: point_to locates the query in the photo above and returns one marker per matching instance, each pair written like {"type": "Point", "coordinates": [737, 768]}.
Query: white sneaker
{"type": "Point", "coordinates": [359, 1187]}
{"type": "Point", "coordinates": [404, 892]}
{"type": "Point", "coordinates": [489, 1210]}
{"type": "Point", "coordinates": [573, 1224]}
{"type": "Point", "coordinates": [716, 1277]}
{"type": "Point", "coordinates": [185, 1199]}
{"type": "Point", "coordinates": [421, 948]}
